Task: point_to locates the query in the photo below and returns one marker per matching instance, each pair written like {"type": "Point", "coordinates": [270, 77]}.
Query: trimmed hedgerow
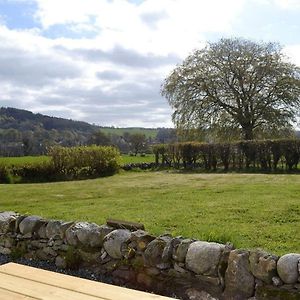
{"type": "Point", "coordinates": [262, 155]}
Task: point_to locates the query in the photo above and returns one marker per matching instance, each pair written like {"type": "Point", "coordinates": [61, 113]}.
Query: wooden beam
{"type": "Point", "coordinates": [85, 288]}
{"type": "Point", "coordinates": [118, 224]}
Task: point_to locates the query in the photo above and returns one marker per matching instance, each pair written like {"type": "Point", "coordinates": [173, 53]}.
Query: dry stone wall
{"type": "Point", "coordinates": [169, 265]}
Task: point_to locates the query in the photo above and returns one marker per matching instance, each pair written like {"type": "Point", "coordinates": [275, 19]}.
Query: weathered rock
{"type": "Point", "coordinates": [277, 281]}
{"type": "Point", "coordinates": [7, 221]}
{"type": "Point", "coordinates": [49, 251]}
{"type": "Point", "coordinates": [287, 267]}
{"type": "Point", "coordinates": [92, 234]}
{"type": "Point", "coordinates": [113, 242]}
{"type": "Point", "coordinates": [88, 234]}
{"type": "Point", "coordinates": [154, 251]}
{"type": "Point", "coordinates": [169, 248]}
{"type": "Point", "coordinates": [30, 224]}
{"type": "Point", "coordinates": [239, 281]}
{"type": "Point", "coordinates": [41, 232]}
{"type": "Point", "coordinates": [89, 257]}
{"type": "Point", "coordinates": [203, 257]}
{"type": "Point", "coordinates": [211, 280]}
{"type": "Point", "coordinates": [5, 251]}
{"type": "Point", "coordinates": [263, 265]}
{"type": "Point", "coordinates": [194, 294]}
{"type": "Point", "coordinates": [141, 239]}
{"type": "Point", "coordinates": [60, 262]}
{"type": "Point", "coordinates": [56, 229]}
{"type": "Point", "coordinates": [180, 251]}
{"type": "Point", "coordinates": [268, 292]}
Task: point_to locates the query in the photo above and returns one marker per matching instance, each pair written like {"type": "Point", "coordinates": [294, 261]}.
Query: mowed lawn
{"type": "Point", "coordinates": [250, 210]}
{"type": "Point", "coordinates": [125, 159]}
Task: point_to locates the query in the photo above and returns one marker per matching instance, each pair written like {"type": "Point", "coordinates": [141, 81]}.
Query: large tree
{"type": "Point", "coordinates": [234, 82]}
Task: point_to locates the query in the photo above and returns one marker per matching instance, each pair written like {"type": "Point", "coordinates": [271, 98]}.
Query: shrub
{"type": "Point", "coordinates": [84, 161]}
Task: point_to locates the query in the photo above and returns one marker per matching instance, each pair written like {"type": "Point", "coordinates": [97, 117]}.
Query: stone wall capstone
{"type": "Point", "coordinates": [187, 268]}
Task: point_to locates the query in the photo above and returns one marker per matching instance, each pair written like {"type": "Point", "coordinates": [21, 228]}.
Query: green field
{"type": "Point", "coordinates": [250, 210]}
{"type": "Point", "coordinates": [148, 132]}
{"type": "Point", "coordinates": [125, 159]}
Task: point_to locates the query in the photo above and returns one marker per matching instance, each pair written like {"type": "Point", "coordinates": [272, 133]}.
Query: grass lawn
{"type": "Point", "coordinates": [250, 210]}
{"type": "Point", "coordinates": [125, 159]}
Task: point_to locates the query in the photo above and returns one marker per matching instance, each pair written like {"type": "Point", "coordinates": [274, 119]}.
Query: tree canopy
{"type": "Point", "coordinates": [235, 83]}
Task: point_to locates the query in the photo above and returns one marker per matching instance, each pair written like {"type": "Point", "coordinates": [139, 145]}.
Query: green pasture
{"type": "Point", "coordinates": [125, 159]}
{"type": "Point", "coordinates": [249, 210]}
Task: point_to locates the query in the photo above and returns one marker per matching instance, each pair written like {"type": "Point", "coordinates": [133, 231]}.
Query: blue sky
{"type": "Point", "coordinates": [103, 61]}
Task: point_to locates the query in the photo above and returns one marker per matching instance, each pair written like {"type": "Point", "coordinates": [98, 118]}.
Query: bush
{"type": "Point", "coordinates": [76, 162]}
{"type": "Point", "coordinates": [66, 164]}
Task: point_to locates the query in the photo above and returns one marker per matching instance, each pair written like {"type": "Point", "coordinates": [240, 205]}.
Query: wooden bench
{"type": "Point", "coordinates": [19, 282]}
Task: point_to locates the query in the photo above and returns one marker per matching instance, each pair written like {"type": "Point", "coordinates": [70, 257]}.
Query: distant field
{"type": "Point", "coordinates": [250, 210]}
{"type": "Point", "coordinates": [126, 159]}
{"type": "Point", "coordinates": [23, 160]}
{"type": "Point", "coordinates": [148, 132]}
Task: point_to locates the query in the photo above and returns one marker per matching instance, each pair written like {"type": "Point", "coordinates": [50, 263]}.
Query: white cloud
{"type": "Point", "coordinates": [288, 4]}
{"type": "Point", "coordinates": [293, 53]}
{"type": "Point", "coordinates": [159, 27]}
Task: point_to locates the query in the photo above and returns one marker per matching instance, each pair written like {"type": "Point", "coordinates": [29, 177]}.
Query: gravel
{"type": "Point", "coordinates": [82, 273]}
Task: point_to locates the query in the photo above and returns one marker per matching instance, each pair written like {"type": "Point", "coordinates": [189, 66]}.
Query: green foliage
{"type": "Point", "coordinates": [76, 162]}
{"type": "Point", "coordinates": [234, 84]}
{"type": "Point", "coordinates": [258, 155]}
{"type": "Point", "coordinates": [5, 174]}
{"type": "Point", "coordinates": [63, 164]}
{"type": "Point", "coordinates": [72, 258]}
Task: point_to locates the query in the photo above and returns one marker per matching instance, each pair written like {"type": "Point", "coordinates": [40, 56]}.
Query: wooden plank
{"type": "Point", "coordinates": [39, 290]}
{"type": "Point", "coordinates": [124, 224]}
{"type": "Point", "coordinates": [99, 289]}
{"type": "Point", "coordinates": [8, 295]}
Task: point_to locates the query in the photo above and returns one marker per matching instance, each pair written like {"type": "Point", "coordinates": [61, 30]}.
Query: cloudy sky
{"type": "Point", "coordinates": [103, 61]}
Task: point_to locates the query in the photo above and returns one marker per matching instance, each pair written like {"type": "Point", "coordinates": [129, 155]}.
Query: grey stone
{"type": "Point", "coordinates": [154, 251]}
{"type": "Point", "coordinates": [89, 257]}
{"type": "Point", "coordinates": [277, 281]}
{"type": "Point", "coordinates": [181, 250]}
{"type": "Point", "coordinates": [49, 251]}
{"type": "Point", "coordinates": [239, 282]}
{"type": "Point", "coordinates": [141, 239]}
{"type": "Point", "coordinates": [30, 224]}
{"type": "Point", "coordinates": [92, 234]}
{"type": "Point", "coordinates": [203, 257]}
{"type": "Point", "coordinates": [89, 234]}
{"type": "Point", "coordinates": [287, 267]}
{"type": "Point", "coordinates": [194, 294]}
{"type": "Point", "coordinates": [263, 265]}
{"type": "Point", "coordinates": [7, 221]}
{"type": "Point", "coordinates": [114, 240]}
{"type": "Point", "coordinates": [60, 262]}
{"type": "Point", "coordinates": [169, 248]}
{"type": "Point", "coordinates": [209, 279]}
{"type": "Point", "coordinates": [41, 232]}
{"type": "Point", "coordinates": [56, 229]}
{"type": "Point", "coordinates": [5, 251]}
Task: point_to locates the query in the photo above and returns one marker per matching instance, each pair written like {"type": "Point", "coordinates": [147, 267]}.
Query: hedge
{"type": "Point", "coordinates": [66, 164]}
{"type": "Point", "coordinates": [265, 155]}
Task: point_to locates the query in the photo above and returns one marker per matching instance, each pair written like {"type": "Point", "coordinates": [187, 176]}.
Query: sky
{"type": "Point", "coordinates": [103, 61]}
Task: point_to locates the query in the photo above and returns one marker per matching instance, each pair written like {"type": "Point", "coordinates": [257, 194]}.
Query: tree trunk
{"type": "Point", "coordinates": [248, 133]}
